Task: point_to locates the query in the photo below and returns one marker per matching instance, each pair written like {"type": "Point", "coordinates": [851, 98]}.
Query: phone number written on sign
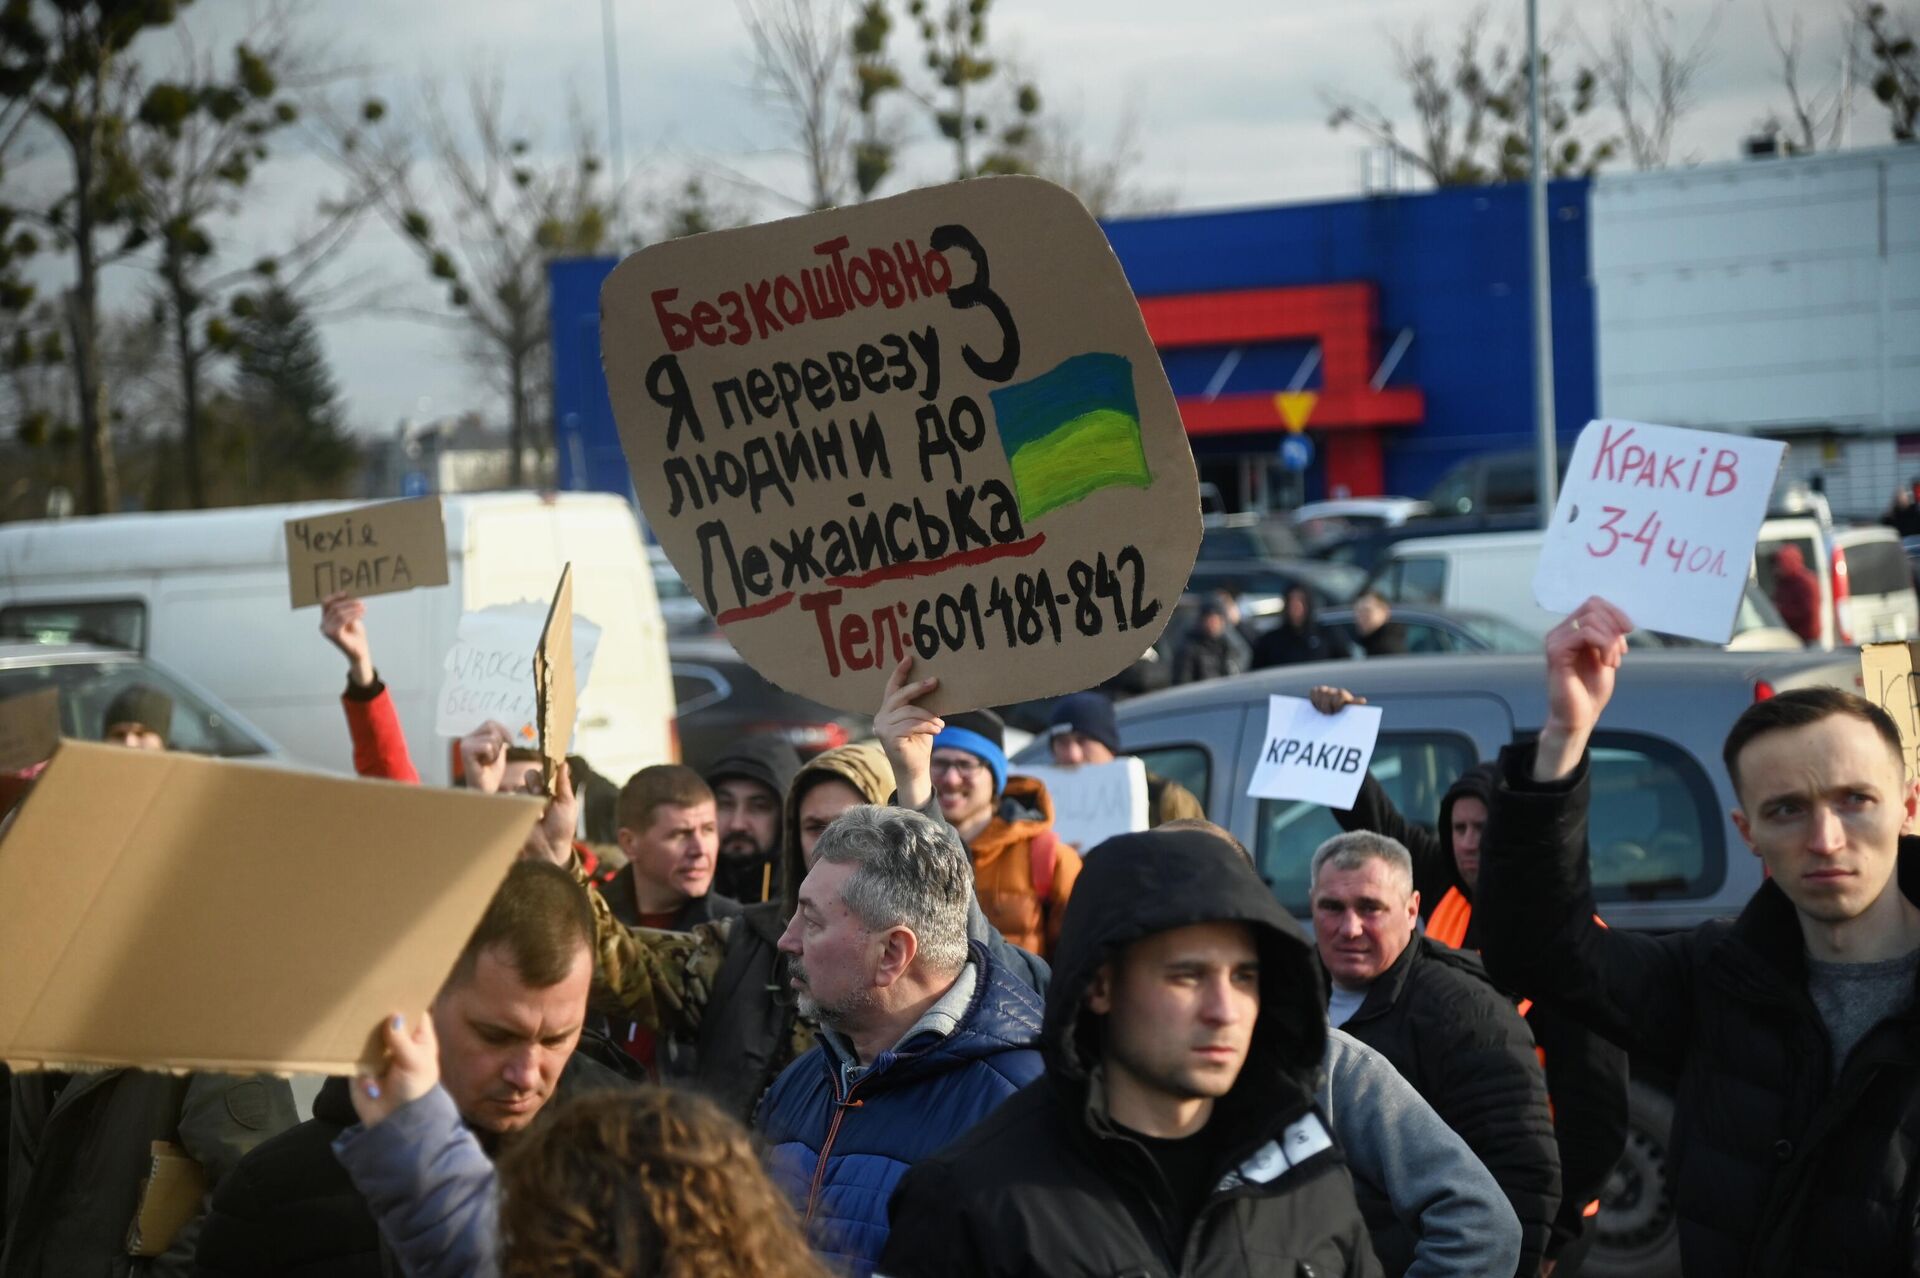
{"type": "Point", "coordinates": [1022, 610]}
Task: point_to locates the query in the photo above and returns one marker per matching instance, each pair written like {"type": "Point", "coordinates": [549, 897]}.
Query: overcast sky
{"type": "Point", "coordinates": [1227, 95]}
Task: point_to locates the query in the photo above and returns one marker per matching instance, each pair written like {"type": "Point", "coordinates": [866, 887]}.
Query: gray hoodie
{"type": "Point", "coordinates": [1447, 1203]}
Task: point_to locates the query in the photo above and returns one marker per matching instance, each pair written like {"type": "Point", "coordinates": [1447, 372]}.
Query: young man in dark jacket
{"type": "Point", "coordinates": [509, 1018]}
{"type": "Point", "coordinates": [1430, 1010]}
{"type": "Point", "coordinates": [1175, 1130]}
{"type": "Point", "coordinates": [1793, 1030]}
{"type": "Point", "coordinates": [1586, 1074]}
{"type": "Point", "coordinates": [1299, 636]}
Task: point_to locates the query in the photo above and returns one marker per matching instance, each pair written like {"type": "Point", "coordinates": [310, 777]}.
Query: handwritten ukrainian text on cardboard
{"type": "Point", "coordinates": [1661, 522]}
{"type": "Point", "coordinates": [370, 550]}
{"type": "Point", "coordinates": [1890, 678]}
{"type": "Point", "coordinates": [932, 424]}
{"type": "Point", "coordinates": [233, 916]}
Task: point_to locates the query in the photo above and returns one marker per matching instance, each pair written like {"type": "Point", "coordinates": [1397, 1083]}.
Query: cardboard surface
{"type": "Point", "coordinates": [554, 696]}
{"type": "Point", "coordinates": [371, 550]}
{"type": "Point", "coordinates": [175, 912]}
{"type": "Point", "coordinates": [1890, 678]}
{"type": "Point", "coordinates": [173, 1193]}
{"type": "Point", "coordinates": [1095, 801]}
{"type": "Point", "coordinates": [1321, 758]}
{"type": "Point", "coordinates": [488, 671]}
{"type": "Point", "coordinates": [29, 729]}
{"type": "Point", "coordinates": [1661, 522]}
{"type": "Point", "coordinates": [932, 424]}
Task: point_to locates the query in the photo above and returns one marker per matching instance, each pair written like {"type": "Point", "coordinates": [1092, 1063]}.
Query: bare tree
{"type": "Point", "coordinates": [1107, 179]}
{"type": "Point", "coordinates": [486, 224]}
{"type": "Point", "coordinates": [1819, 107]}
{"type": "Point", "coordinates": [1650, 76]}
{"type": "Point", "coordinates": [1469, 109]}
{"type": "Point", "coordinates": [801, 55]}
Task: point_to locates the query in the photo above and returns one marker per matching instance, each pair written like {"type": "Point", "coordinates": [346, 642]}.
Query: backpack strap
{"type": "Point", "coordinates": [1042, 854]}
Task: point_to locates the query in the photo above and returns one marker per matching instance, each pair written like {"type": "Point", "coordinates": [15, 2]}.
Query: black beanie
{"type": "Point", "coordinates": [141, 704]}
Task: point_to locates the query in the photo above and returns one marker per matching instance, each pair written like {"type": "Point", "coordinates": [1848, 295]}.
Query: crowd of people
{"type": "Point", "coordinates": [868, 1013]}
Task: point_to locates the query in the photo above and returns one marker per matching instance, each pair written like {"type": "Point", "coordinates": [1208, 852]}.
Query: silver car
{"type": "Point", "coordinates": [1665, 851]}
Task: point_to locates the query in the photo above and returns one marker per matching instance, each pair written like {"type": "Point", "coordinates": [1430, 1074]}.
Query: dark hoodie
{"type": "Point", "coordinates": [1586, 1074]}
{"type": "Point", "coordinates": [1287, 644]}
{"type": "Point", "coordinates": [1048, 1184]}
{"type": "Point", "coordinates": [773, 762]}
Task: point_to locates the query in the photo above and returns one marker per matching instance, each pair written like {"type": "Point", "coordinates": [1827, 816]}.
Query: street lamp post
{"type": "Point", "coordinates": [1542, 286]}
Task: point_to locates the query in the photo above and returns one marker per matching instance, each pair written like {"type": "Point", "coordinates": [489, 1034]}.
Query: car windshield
{"type": "Point", "coordinates": [1501, 636]}
{"type": "Point", "coordinates": [87, 688]}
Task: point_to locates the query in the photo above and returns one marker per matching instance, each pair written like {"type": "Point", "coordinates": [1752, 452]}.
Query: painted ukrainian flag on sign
{"type": "Point", "coordinates": [1071, 432]}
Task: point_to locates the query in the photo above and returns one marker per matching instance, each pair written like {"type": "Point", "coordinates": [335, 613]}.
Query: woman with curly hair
{"type": "Point", "coordinates": [648, 1183]}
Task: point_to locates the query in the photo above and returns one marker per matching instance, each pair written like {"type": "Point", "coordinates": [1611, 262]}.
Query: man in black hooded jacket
{"type": "Point", "coordinates": [749, 782]}
{"type": "Point", "coordinates": [1586, 1074]}
{"type": "Point", "coordinates": [1174, 1130]}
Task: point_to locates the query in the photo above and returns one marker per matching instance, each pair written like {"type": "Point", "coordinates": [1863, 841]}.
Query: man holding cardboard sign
{"type": "Point", "coordinates": [1793, 1030]}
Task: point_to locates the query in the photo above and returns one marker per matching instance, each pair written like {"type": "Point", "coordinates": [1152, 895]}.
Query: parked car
{"type": "Point", "coordinates": [1319, 523]}
{"type": "Point", "coordinates": [1866, 584]}
{"type": "Point", "coordinates": [679, 609]}
{"type": "Point", "coordinates": [1364, 550]}
{"type": "Point", "coordinates": [1494, 483]}
{"type": "Point", "coordinates": [89, 676]}
{"type": "Point", "coordinates": [1261, 585]}
{"type": "Point", "coordinates": [1431, 630]}
{"type": "Point", "coordinates": [1665, 852]}
{"type": "Point", "coordinates": [722, 699]}
{"type": "Point", "coordinates": [1246, 536]}
{"type": "Point", "coordinates": [1493, 572]}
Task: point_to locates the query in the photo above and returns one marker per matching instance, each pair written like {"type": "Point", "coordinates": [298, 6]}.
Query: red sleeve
{"type": "Point", "coordinates": [379, 747]}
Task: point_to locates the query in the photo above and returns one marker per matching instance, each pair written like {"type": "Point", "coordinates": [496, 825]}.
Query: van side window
{"type": "Point", "coordinates": [1877, 567]}
{"type": "Point", "coordinates": [1190, 765]}
{"type": "Point", "coordinates": [1414, 769]}
{"type": "Point", "coordinates": [1422, 579]}
{"type": "Point", "coordinates": [112, 623]}
{"type": "Point", "coordinates": [1654, 829]}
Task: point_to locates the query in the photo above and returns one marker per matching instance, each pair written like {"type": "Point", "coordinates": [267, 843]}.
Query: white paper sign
{"type": "Point", "coordinates": [1317, 757]}
{"type": "Point", "coordinates": [1660, 522]}
{"type": "Point", "coordinates": [489, 671]}
{"type": "Point", "coordinates": [1095, 801]}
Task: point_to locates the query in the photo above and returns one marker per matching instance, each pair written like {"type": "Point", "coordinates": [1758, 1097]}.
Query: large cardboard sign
{"type": "Point", "coordinates": [1321, 758]}
{"type": "Point", "coordinates": [930, 424]}
{"type": "Point", "coordinates": [370, 550]}
{"type": "Point", "coordinates": [1890, 678]}
{"type": "Point", "coordinates": [555, 702]}
{"type": "Point", "coordinates": [488, 674]}
{"type": "Point", "coordinates": [1094, 801]}
{"type": "Point", "coordinates": [1661, 522]}
{"type": "Point", "coordinates": [232, 916]}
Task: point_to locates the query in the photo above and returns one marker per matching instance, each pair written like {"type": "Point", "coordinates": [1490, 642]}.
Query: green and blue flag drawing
{"type": "Point", "coordinates": [1071, 431]}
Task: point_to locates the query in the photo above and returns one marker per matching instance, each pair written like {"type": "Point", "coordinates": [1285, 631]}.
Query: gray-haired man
{"type": "Point", "coordinates": [1431, 1011]}
{"type": "Point", "coordinates": [922, 1034]}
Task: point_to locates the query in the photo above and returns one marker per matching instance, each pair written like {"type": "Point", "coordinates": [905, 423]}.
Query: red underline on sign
{"type": "Point", "coordinates": [748, 613]}
{"type": "Point", "coordinates": [928, 567]}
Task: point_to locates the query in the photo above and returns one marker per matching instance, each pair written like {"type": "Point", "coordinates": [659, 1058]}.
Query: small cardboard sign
{"type": "Point", "coordinates": [1890, 678]}
{"type": "Point", "coordinates": [1321, 758]}
{"type": "Point", "coordinates": [1095, 801]}
{"type": "Point", "coordinates": [932, 424]}
{"type": "Point", "coordinates": [370, 550]}
{"type": "Point", "coordinates": [230, 916]}
{"type": "Point", "coordinates": [29, 729]}
{"type": "Point", "coordinates": [486, 673]}
{"type": "Point", "coordinates": [553, 691]}
{"type": "Point", "coordinates": [1661, 522]}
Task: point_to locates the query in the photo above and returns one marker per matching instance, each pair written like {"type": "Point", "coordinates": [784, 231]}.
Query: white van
{"type": "Point", "coordinates": [1866, 587]}
{"type": "Point", "coordinates": [205, 592]}
{"type": "Point", "coordinates": [1493, 572]}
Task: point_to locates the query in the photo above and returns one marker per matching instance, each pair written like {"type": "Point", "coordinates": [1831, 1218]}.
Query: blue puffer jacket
{"type": "Point", "coordinates": [838, 1156]}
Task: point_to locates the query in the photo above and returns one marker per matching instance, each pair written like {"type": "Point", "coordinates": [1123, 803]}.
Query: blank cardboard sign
{"type": "Point", "coordinates": [554, 696]}
{"type": "Point", "coordinates": [29, 729]}
{"type": "Point", "coordinates": [232, 916]}
{"type": "Point", "coordinates": [931, 424]}
{"type": "Point", "coordinates": [369, 550]}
